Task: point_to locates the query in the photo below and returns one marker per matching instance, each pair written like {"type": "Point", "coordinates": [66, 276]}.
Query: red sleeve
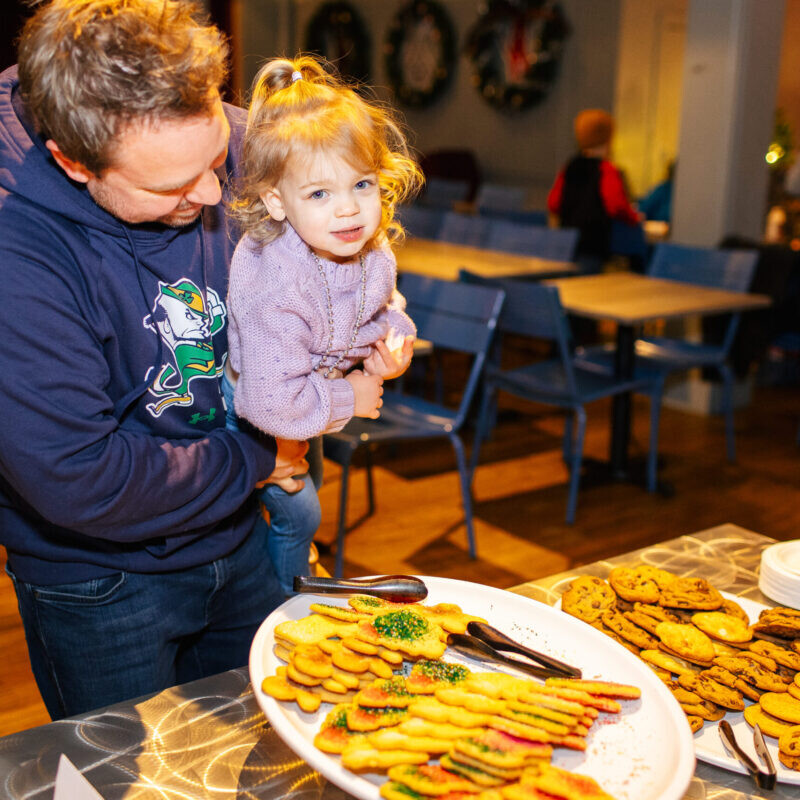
{"type": "Point", "coordinates": [615, 198]}
{"type": "Point", "coordinates": [554, 198]}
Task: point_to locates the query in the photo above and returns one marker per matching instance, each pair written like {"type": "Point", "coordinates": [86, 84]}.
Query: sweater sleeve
{"type": "Point", "coordinates": [278, 390]}
{"type": "Point", "coordinates": [62, 451]}
{"type": "Point", "coordinates": [614, 195]}
{"type": "Point", "coordinates": [554, 197]}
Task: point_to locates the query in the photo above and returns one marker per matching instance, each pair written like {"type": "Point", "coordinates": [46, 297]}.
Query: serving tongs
{"type": "Point", "coordinates": [486, 643]}
{"type": "Point", "coordinates": [394, 588]}
{"type": "Point", "coordinates": [765, 779]}
{"type": "Point", "coordinates": [499, 641]}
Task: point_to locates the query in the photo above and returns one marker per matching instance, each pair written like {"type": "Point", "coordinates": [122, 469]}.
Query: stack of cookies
{"type": "Point", "coordinates": [434, 727]}
{"type": "Point", "coordinates": [700, 644]}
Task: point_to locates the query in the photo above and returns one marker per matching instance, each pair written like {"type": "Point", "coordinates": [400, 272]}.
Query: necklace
{"type": "Point", "coordinates": [322, 364]}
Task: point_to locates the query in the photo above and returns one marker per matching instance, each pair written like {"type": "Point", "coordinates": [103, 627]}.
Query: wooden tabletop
{"type": "Point", "coordinates": [630, 298]}
{"type": "Point", "coordinates": [443, 260]}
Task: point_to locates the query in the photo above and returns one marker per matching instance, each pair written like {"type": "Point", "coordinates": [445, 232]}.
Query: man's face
{"type": "Point", "coordinates": [165, 171]}
{"type": "Point", "coordinates": [334, 207]}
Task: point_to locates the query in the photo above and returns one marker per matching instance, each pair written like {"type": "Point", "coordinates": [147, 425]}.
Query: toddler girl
{"type": "Point", "coordinates": [312, 284]}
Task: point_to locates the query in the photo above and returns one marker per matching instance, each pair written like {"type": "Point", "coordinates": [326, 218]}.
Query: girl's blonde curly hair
{"type": "Point", "coordinates": [317, 113]}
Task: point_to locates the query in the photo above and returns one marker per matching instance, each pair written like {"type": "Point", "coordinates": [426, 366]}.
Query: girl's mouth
{"type": "Point", "coordinates": [349, 235]}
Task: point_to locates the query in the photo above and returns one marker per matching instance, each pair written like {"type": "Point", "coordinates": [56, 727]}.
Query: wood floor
{"type": "Point", "coordinates": [520, 491]}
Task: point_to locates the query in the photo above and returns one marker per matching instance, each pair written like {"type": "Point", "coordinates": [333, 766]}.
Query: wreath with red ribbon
{"type": "Point", "coordinates": [515, 48]}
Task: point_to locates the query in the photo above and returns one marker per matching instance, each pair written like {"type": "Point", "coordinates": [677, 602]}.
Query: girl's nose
{"type": "Point", "coordinates": [348, 206]}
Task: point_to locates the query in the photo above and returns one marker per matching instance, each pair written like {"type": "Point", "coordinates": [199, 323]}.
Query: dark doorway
{"type": "Point", "coordinates": [13, 15]}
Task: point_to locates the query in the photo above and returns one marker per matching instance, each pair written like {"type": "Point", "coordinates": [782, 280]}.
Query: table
{"type": "Point", "coordinates": [444, 259]}
{"type": "Point", "coordinates": [209, 739]}
{"type": "Point", "coordinates": [630, 300]}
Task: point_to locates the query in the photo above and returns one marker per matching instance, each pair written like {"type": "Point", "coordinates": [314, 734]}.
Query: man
{"type": "Point", "coordinates": [126, 508]}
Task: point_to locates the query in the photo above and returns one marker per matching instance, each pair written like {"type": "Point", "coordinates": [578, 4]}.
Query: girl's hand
{"type": "Point", "coordinates": [367, 391]}
{"type": "Point", "coordinates": [389, 363]}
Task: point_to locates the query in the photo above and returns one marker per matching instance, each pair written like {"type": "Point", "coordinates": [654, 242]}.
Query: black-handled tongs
{"type": "Point", "coordinates": [486, 643]}
{"type": "Point", "coordinates": [499, 641]}
{"type": "Point", "coordinates": [764, 778]}
{"type": "Point", "coordinates": [394, 588]}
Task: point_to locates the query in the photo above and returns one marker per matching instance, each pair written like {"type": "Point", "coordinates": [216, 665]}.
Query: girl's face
{"type": "Point", "coordinates": [334, 207]}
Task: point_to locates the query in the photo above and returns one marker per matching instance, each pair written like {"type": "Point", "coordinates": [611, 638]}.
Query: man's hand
{"type": "Point", "coordinates": [389, 363]}
{"type": "Point", "coordinates": [289, 460]}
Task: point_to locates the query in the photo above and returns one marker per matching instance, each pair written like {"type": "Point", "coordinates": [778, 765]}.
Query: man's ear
{"type": "Point", "coordinates": [73, 169]}
{"type": "Point", "coordinates": [272, 200]}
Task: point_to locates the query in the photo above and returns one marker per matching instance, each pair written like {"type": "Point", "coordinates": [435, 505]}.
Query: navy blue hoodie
{"type": "Point", "coordinates": [113, 449]}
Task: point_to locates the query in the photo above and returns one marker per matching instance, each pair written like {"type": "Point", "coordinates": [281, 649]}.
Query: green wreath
{"type": "Point", "coordinates": [337, 32]}
{"type": "Point", "coordinates": [420, 50]}
{"type": "Point", "coordinates": [515, 48]}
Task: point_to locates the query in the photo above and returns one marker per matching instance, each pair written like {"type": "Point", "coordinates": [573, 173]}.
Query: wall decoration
{"type": "Point", "coordinates": [515, 49]}
{"type": "Point", "coordinates": [420, 50]}
{"type": "Point", "coordinates": [337, 32]}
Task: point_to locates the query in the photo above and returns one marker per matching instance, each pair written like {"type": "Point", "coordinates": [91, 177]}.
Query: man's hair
{"type": "Point", "coordinates": [298, 110]}
{"type": "Point", "coordinates": [89, 68]}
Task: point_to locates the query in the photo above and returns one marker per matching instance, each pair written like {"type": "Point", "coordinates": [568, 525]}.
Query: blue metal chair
{"type": "Point", "coordinates": [657, 357]}
{"type": "Point", "coordinates": [453, 316]}
{"type": "Point", "coordinates": [526, 216]}
{"type": "Point", "coordinates": [533, 240]}
{"type": "Point", "coordinates": [443, 192]}
{"type": "Point", "coordinates": [466, 229]}
{"type": "Point", "coordinates": [535, 310]}
{"type": "Point", "coordinates": [500, 197]}
{"type": "Point", "coordinates": [422, 221]}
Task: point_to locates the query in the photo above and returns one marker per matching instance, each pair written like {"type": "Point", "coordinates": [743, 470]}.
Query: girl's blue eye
{"type": "Point", "coordinates": [318, 195]}
{"type": "Point", "coordinates": [362, 184]}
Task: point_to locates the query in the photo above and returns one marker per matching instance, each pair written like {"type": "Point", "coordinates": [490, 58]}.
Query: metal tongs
{"type": "Point", "coordinates": [765, 779]}
{"type": "Point", "coordinates": [394, 588]}
{"type": "Point", "coordinates": [486, 643]}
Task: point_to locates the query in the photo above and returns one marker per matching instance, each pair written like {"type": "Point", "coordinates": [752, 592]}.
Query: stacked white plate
{"type": "Point", "coordinates": [779, 577]}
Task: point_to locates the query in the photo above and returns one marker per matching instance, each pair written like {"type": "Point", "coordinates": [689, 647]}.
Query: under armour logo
{"type": "Point", "coordinates": [195, 418]}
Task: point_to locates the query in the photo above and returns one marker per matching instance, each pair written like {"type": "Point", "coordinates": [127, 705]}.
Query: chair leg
{"type": "Point", "coordinates": [655, 421]}
{"type": "Point", "coordinates": [575, 467]}
{"type": "Point", "coordinates": [342, 522]}
{"type": "Point", "coordinates": [466, 490]}
{"type": "Point", "coordinates": [480, 428]}
{"type": "Point", "coordinates": [566, 445]}
{"type": "Point", "coordinates": [370, 484]}
{"type": "Point", "coordinates": [727, 407]}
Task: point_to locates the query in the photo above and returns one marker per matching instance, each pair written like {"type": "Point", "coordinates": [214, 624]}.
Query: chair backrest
{"type": "Point", "coordinates": [526, 216]}
{"type": "Point", "coordinates": [466, 229]}
{"type": "Point", "coordinates": [628, 240]}
{"type": "Point", "coordinates": [533, 240]}
{"type": "Point", "coordinates": [454, 316]}
{"type": "Point", "coordinates": [423, 221]}
{"type": "Point", "coordinates": [532, 309]}
{"type": "Point", "coordinates": [443, 192]}
{"type": "Point", "coordinates": [501, 197]}
{"type": "Point", "coordinates": [705, 266]}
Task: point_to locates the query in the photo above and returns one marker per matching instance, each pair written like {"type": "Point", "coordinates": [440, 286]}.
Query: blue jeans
{"type": "Point", "coordinates": [115, 638]}
{"type": "Point", "coordinates": [293, 518]}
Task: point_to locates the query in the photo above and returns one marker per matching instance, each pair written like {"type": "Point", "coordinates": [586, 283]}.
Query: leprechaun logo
{"type": "Point", "coordinates": [186, 319]}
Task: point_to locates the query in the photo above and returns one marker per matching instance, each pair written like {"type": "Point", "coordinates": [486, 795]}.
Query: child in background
{"type": "Point", "coordinates": [589, 192]}
{"type": "Point", "coordinates": [312, 283]}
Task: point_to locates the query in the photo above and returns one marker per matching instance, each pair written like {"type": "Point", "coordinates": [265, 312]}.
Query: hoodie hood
{"type": "Point", "coordinates": [28, 170]}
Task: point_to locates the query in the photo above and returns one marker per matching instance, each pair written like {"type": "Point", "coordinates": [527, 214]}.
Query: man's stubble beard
{"type": "Point", "coordinates": [107, 200]}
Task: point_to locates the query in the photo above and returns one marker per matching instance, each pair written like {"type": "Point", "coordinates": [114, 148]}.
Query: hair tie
{"type": "Point", "coordinates": [297, 76]}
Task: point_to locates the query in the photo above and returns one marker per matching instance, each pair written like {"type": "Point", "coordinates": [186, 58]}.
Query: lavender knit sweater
{"type": "Point", "coordinates": [278, 332]}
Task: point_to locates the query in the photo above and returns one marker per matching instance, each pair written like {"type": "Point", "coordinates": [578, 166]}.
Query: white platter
{"type": "Point", "coordinates": [707, 744]}
{"type": "Point", "coordinates": [644, 753]}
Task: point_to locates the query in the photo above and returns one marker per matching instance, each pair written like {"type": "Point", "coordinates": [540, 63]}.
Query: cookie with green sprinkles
{"type": "Point", "coordinates": [404, 630]}
{"type": "Point", "coordinates": [338, 612]}
{"type": "Point", "coordinates": [426, 676]}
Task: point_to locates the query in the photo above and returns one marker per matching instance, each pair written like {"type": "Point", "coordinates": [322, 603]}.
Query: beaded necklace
{"type": "Point", "coordinates": [322, 366]}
